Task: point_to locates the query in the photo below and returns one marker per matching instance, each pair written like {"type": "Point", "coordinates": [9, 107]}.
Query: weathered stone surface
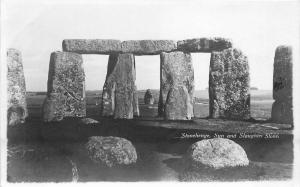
{"type": "Point", "coordinates": [204, 44]}
{"type": "Point", "coordinates": [176, 71]}
{"type": "Point", "coordinates": [216, 153]}
{"type": "Point", "coordinates": [16, 88]}
{"type": "Point", "coordinates": [66, 87]}
{"type": "Point", "coordinates": [282, 110]}
{"type": "Point", "coordinates": [229, 91]}
{"type": "Point", "coordinates": [111, 151]}
{"type": "Point", "coordinates": [148, 97]}
{"type": "Point", "coordinates": [118, 97]}
{"type": "Point", "coordinates": [148, 47]}
{"type": "Point", "coordinates": [91, 46]}
{"type": "Point", "coordinates": [178, 104]}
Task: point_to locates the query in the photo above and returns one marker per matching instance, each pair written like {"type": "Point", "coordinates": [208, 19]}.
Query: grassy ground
{"type": "Point", "coordinates": [158, 160]}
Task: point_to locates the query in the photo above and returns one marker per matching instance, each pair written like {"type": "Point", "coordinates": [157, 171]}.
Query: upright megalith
{"type": "Point", "coordinates": [16, 89]}
{"type": "Point", "coordinates": [66, 87]}
{"type": "Point", "coordinates": [176, 86]}
{"type": "Point", "coordinates": [119, 97]}
{"type": "Point", "coordinates": [229, 91]}
{"type": "Point", "coordinates": [148, 97]}
{"type": "Point", "coordinates": [282, 109]}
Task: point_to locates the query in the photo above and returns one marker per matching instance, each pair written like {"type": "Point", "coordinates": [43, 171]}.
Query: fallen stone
{"type": "Point", "coordinates": [176, 71]}
{"type": "Point", "coordinates": [204, 44]}
{"type": "Point", "coordinates": [89, 121]}
{"type": "Point", "coordinates": [66, 89]}
{"type": "Point", "coordinates": [16, 89]}
{"type": "Point", "coordinates": [111, 151]}
{"type": "Point", "coordinates": [229, 91]}
{"type": "Point", "coordinates": [148, 97]}
{"type": "Point", "coordinates": [178, 104]}
{"type": "Point", "coordinates": [91, 46]}
{"type": "Point", "coordinates": [216, 153]}
{"type": "Point", "coordinates": [148, 47]}
{"type": "Point", "coordinates": [119, 89]}
{"type": "Point", "coordinates": [282, 109]}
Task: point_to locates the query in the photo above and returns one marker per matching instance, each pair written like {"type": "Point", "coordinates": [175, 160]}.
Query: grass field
{"type": "Point", "coordinates": [158, 160]}
{"type": "Point", "coordinates": [261, 103]}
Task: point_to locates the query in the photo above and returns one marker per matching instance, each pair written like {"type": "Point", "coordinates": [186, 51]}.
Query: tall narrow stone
{"type": "Point", "coordinates": [176, 86]}
{"type": "Point", "coordinates": [229, 93]}
{"type": "Point", "coordinates": [16, 89]}
{"type": "Point", "coordinates": [66, 87]}
{"type": "Point", "coordinates": [282, 109]}
{"type": "Point", "coordinates": [119, 91]}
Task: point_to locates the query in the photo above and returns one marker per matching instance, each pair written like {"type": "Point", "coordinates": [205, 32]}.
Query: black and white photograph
{"type": "Point", "coordinates": [149, 91]}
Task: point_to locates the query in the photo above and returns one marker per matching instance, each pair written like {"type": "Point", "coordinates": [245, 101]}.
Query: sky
{"type": "Point", "coordinates": [37, 28]}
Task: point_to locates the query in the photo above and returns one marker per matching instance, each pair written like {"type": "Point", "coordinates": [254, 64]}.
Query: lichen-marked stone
{"type": "Point", "coordinates": [229, 91]}
{"type": "Point", "coordinates": [282, 109]}
{"type": "Point", "coordinates": [148, 47]}
{"type": "Point", "coordinates": [204, 44]}
{"type": "Point", "coordinates": [119, 90]}
{"type": "Point", "coordinates": [16, 89]}
{"type": "Point", "coordinates": [92, 46]}
{"type": "Point", "coordinates": [66, 87]}
{"type": "Point", "coordinates": [216, 153]}
{"type": "Point", "coordinates": [178, 104]}
{"type": "Point", "coordinates": [176, 71]}
{"type": "Point", "coordinates": [111, 151]}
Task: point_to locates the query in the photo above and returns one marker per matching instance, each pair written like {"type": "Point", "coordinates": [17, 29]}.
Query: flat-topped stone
{"type": "Point", "coordinates": [148, 47]}
{"type": "Point", "coordinates": [92, 46]}
{"type": "Point", "coordinates": [109, 46]}
{"type": "Point", "coordinates": [204, 44]}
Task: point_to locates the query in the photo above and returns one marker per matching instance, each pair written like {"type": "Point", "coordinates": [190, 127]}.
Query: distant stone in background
{"type": "Point", "coordinates": [66, 87]}
{"type": "Point", "coordinates": [16, 89]}
{"type": "Point", "coordinates": [88, 121]}
{"type": "Point", "coordinates": [216, 153]}
{"type": "Point", "coordinates": [111, 151]}
{"type": "Point", "coordinates": [177, 86]}
{"type": "Point", "coordinates": [229, 91]}
{"type": "Point", "coordinates": [119, 90]}
{"type": "Point", "coordinates": [204, 44]}
{"type": "Point", "coordinates": [282, 109]}
{"type": "Point", "coordinates": [148, 98]}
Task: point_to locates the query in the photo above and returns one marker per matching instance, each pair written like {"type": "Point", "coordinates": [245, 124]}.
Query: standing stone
{"type": "Point", "coordinates": [119, 92]}
{"type": "Point", "coordinates": [16, 89]}
{"type": "Point", "coordinates": [66, 87]}
{"type": "Point", "coordinates": [148, 98]}
{"type": "Point", "coordinates": [229, 92]}
{"type": "Point", "coordinates": [176, 86]}
{"type": "Point", "coordinates": [282, 109]}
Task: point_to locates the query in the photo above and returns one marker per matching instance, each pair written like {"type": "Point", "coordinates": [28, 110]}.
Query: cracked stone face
{"type": "Point", "coordinates": [119, 92]}
{"type": "Point", "coordinates": [66, 87]}
{"type": "Point", "coordinates": [229, 92]}
{"type": "Point", "coordinates": [16, 89]}
{"type": "Point", "coordinates": [177, 86]}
